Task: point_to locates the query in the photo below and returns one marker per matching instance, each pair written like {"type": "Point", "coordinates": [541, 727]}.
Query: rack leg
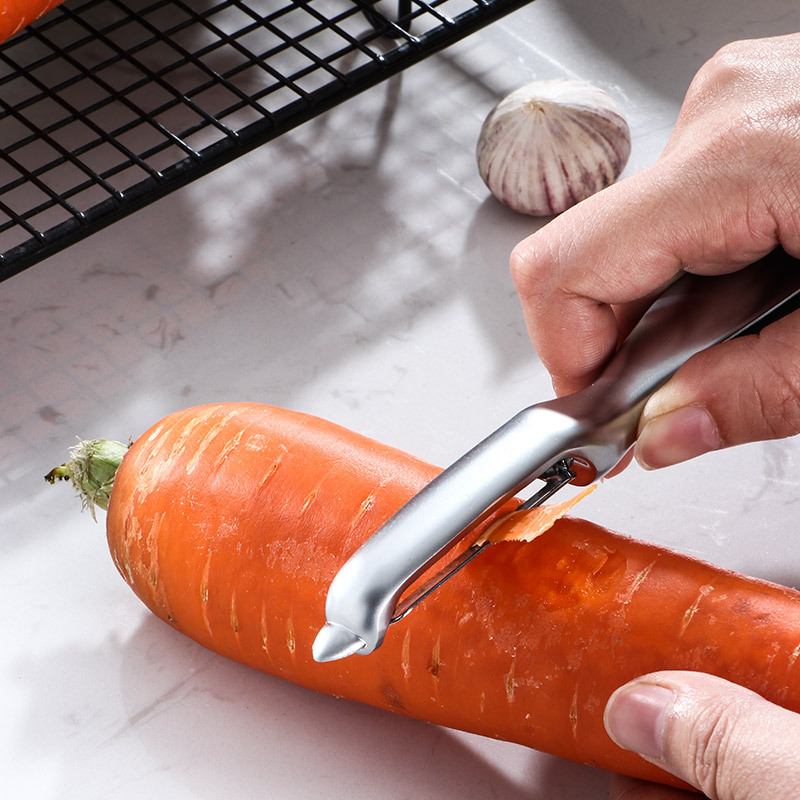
{"type": "Point", "coordinates": [380, 23]}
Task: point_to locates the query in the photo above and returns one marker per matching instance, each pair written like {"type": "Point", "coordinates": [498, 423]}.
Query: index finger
{"type": "Point", "coordinates": [584, 277]}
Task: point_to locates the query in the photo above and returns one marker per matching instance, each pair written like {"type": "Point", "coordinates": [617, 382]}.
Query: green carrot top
{"type": "Point", "coordinates": [91, 469]}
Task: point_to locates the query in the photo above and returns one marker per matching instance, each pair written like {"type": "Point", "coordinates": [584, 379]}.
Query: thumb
{"type": "Point", "coordinates": [721, 738]}
{"type": "Point", "coordinates": [745, 390]}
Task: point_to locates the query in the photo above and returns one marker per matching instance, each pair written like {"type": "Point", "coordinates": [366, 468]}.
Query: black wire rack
{"type": "Point", "coordinates": [108, 105]}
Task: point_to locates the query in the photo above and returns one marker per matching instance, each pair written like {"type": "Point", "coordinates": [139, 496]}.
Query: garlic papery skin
{"type": "Point", "coordinates": [551, 144]}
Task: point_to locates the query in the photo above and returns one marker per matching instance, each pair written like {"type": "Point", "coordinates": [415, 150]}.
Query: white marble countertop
{"type": "Point", "coordinates": [355, 269]}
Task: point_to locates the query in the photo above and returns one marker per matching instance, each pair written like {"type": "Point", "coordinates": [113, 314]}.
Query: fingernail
{"type": "Point", "coordinates": [635, 717]}
{"type": "Point", "coordinates": [676, 436]}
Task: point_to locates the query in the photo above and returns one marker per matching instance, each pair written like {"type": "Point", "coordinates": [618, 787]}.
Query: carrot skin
{"type": "Point", "coordinates": [16, 14]}
{"type": "Point", "coordinates": [229, 522]}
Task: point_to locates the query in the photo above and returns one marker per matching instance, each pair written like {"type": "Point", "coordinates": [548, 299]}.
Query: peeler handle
{"type": "Point", "coordinates": [695, 312]}
{"type": "Point", "coordinates": [597, 425]}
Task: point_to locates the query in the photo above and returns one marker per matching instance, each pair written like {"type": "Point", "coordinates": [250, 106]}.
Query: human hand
{"type": "Point", "coordinates": [723, 194]}
{"type": "Point", "coordinates": [722, 739]}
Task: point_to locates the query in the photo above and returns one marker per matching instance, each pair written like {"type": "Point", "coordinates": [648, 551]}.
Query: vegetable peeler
{"type": "Point", "coordinates": [586, 433]}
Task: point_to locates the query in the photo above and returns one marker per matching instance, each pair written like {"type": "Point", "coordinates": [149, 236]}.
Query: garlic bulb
{"type": "Point", "coordinates": [552, 143]}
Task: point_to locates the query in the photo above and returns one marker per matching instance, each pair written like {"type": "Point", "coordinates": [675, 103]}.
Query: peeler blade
{"type": "Point", "coordinates": [559, 475]}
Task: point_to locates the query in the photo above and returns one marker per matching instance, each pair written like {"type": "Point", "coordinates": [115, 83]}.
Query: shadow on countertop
{"type": "Point", "coordinates": [279, 740]}
{"type": "Point", "coordinates": [157, 713]}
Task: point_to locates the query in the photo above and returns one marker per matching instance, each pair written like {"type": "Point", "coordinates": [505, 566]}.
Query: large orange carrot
{"type": "Point", "coordinates": [229, 522]}
{"type": "Point", "coordinates": [16, 14]}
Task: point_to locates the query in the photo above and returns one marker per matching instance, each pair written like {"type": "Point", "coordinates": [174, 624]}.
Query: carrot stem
{"type": "Point", "coordinates": [91, 469]}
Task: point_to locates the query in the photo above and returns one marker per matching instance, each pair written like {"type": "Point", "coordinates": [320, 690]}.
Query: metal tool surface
{"type": "Point", "coordinates": [596, 425]}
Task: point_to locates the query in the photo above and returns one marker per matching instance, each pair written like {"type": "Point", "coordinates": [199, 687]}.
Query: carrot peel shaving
{"type": "Point", "coordinates": [525, 525]}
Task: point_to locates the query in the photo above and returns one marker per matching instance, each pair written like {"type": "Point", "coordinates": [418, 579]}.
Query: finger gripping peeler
{"type": "Point", "coordinates": [594, 428]}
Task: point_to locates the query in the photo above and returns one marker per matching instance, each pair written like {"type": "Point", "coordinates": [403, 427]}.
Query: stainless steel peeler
{"type": "Point", "coordinates": [595, 427]}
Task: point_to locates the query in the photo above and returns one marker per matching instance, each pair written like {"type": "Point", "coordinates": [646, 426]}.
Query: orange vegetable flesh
{"type": "Point", "coordinates": [524, 525]}
{"type": "Point", "coordinates": [229, 521]}
{"type": "Point", "coordinates": [16, 14]}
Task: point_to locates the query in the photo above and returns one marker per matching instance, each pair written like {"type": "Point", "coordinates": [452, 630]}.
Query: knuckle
{"type": "Point", "coordinates": [733, 57]}
{"type": "Point", "coordinates": [711, 751]}
{"type": "Point", "coordinates": [745, 79]}
{"type": "Point", "coordinates": [518, 262]}
{"type": "Point", "coordinates": [778, 394]}
{"type": "Point", "coordinates": [710, 82]}
{"type": "Point", "coordinates": [528, 267]}
{"type": "Point", "coordinates": [731, 64]}
{"type": "Point", "coordinates": [735, 92]}
{"type": "Point", "coordinates": [785, 210]}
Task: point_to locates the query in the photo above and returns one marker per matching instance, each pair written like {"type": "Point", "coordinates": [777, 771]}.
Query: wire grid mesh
{"type": "Point", "coordinates": [106, 105]}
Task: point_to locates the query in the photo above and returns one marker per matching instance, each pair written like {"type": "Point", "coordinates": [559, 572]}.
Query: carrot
{"type": "Point", "coordinates": [16, 14]}
{"type": "Point", "coordinates": [229, 521]}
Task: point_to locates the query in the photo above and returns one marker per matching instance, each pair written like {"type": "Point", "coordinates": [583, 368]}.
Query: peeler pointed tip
{"type": "Point", "coordinates": [334, 641]}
